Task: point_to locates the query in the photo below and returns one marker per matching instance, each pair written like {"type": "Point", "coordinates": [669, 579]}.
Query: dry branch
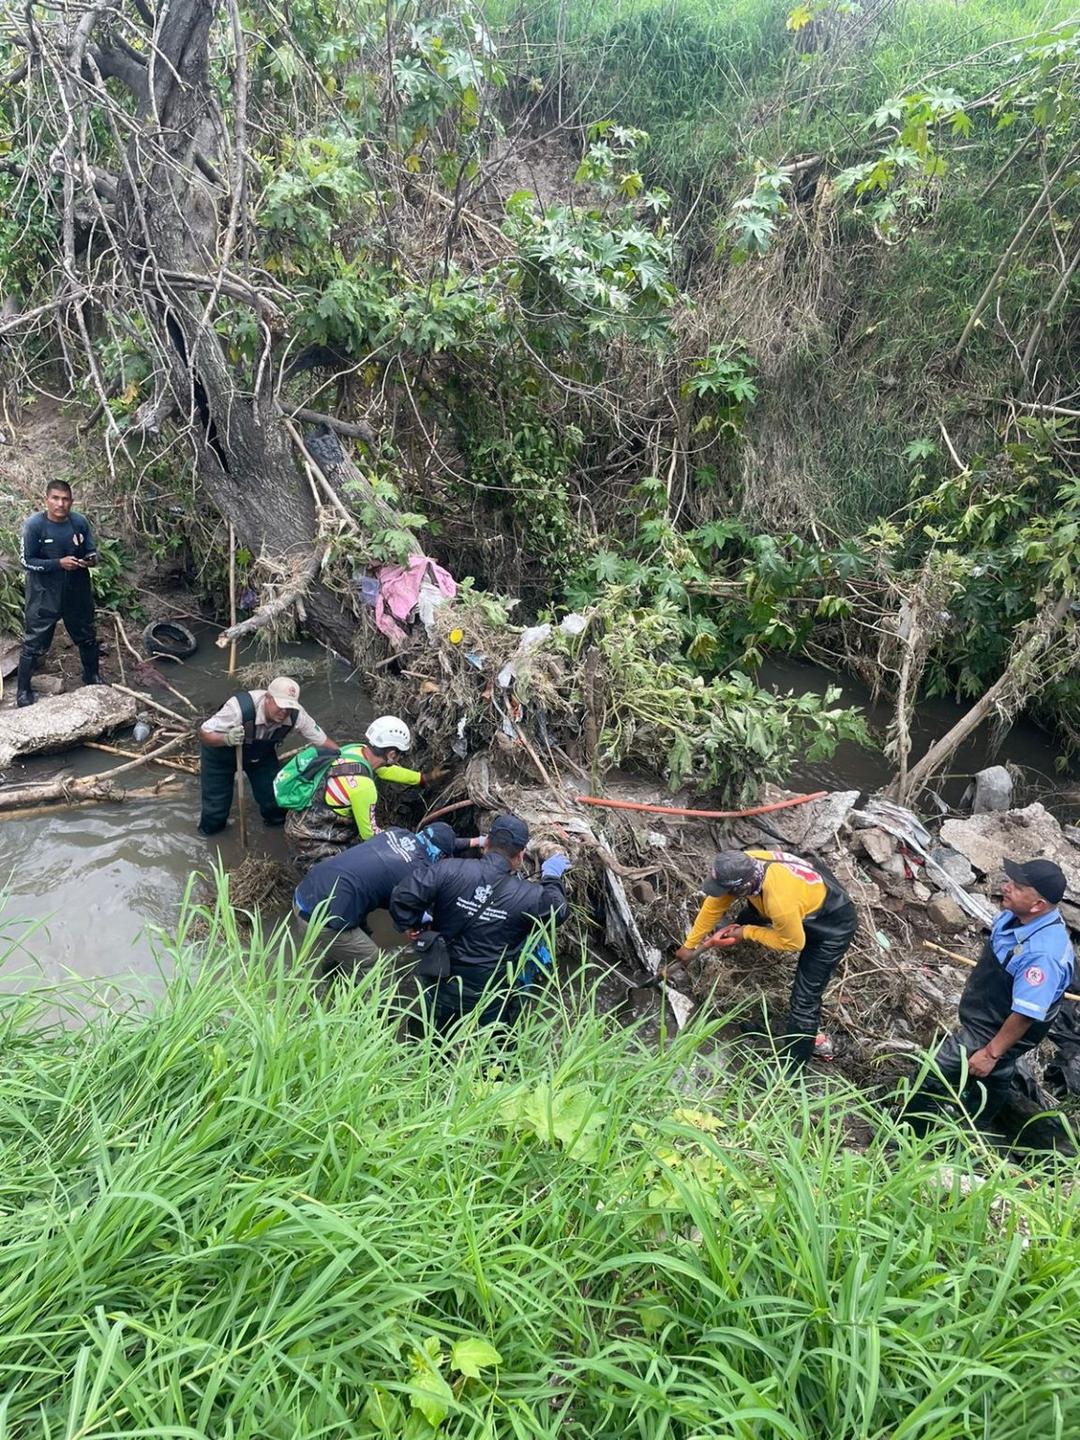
{"type": "Point", "coordinates": [277, 607]}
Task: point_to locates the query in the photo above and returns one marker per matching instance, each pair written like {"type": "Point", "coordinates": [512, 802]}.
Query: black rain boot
{"type": "Point", "coordinates": [88, 654]}
{"type": "Point", "coordinates": [25, 695]}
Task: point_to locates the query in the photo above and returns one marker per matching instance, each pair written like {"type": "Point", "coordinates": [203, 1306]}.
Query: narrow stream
{"type": "Point", "coordinates": [85, 887]}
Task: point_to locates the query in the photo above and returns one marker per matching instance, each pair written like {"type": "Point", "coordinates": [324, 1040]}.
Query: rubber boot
{"type": "Point", "coordinates": [88, 654]}
{"type": "Point", "coordinates": [25, 694]}
{"type": "Point", "coordinates": [795, 1051]}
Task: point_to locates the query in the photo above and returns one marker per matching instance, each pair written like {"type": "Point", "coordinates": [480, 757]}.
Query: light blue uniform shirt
{"type": "Point", "coordinates": [1038, 957]}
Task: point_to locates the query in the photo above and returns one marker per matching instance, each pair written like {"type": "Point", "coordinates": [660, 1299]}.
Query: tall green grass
{"type": "Point", "coordinates": [253, 1212]}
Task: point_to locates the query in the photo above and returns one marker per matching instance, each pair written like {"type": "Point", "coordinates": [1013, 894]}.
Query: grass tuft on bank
{"type": "Point", "coordinates": [245, 1211]}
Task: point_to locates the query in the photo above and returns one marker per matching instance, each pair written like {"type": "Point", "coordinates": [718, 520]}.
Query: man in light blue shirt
{"type": "Point", "coordinates": [1010, 1001]}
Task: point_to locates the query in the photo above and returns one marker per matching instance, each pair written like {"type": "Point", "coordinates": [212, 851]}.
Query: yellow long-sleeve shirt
{"type": "Point", "coordinates": [358, 793]}
{"type": "Point", "coordinates": [792, 889]}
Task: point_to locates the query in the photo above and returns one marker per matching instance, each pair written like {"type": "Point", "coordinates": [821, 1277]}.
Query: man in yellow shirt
{"type": "Point", "coordinates": [343, 809]}
{"type": "Point", "coordinates": [807, 911]}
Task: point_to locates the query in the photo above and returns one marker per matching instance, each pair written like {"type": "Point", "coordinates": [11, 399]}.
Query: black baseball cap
{"type": "Point", "coordinates": [1044, 877]}
{"type": "Point", "coordinates": [733, 873]}
{"type": "Point", "coordinates": [509, 830]}
{"type": "Point", "coordinates": [441, 836]}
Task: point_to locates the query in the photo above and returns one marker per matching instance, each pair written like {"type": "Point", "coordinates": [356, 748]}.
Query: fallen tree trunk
{"type": "Point", "coordinates": [1012, 689]}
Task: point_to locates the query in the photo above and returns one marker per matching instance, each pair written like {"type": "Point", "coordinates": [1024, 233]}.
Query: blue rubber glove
{"type": "Point", "coordinates": [555, 867]}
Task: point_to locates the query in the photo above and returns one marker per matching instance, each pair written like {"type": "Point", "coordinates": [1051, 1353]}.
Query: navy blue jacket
{"type": "Point", "coordinates": [453, 893]}
{"type": "Point", "coordinates": [45, 541]}
{"type": "Point", "coordinates": [361, 878]}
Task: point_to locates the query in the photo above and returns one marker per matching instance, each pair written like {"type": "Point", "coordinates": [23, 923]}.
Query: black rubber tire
{"type": "Point", "coordinates": [169, 637]}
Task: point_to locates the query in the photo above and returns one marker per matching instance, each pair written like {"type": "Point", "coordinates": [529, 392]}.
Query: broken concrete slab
{"type": "Point", "coordinates": [58, 722]}
{"type": "Point", "coordinates": [947, 915]}
{"type": "Point", "coordinates": [987, 840]}
{"type": "Point", "coordinates": [812, 826]}
{"type": "Point", "coordinates": [876, 844]}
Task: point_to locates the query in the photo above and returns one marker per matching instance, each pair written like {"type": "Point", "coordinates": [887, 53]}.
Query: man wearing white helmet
{"type": "Point", "coordinates": [343, 809]}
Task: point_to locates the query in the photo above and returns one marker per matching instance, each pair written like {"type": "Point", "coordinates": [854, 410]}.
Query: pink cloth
{"type": "Point", "coordinates": [399, 592]}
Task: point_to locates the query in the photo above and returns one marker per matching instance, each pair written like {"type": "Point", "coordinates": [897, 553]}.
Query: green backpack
{"type": "Point", "coordinates": [299, 780]}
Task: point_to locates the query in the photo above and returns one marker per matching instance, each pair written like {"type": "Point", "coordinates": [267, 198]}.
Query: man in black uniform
{"type": "Point", "coordinates": [486, 913]}
{"type": "Point", "coordinates": [350, 885]}
{"type": "Point", "coordinates": [57, 552]}
{"type": "Point", "coordinates": [258, 720]}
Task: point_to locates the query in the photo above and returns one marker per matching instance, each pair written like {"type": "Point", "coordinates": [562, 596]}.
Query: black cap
{"type": "Point", "coordinates": [441, 836]}
{"type": "Point", "coordinates": [733, 873]}
{"type": "Point", "coordinates": [509, 830]}
{"type": "Point", "coordinates": [1044, 877]}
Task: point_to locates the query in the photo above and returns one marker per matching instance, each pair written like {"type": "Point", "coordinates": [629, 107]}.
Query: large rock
{"type": "Point", "coordinates": [58, 722]}
{"type": "Point", "coordinates": [956, 866]}
{"type": "Point", "coordinates": [947, 915]}
{"type": "Point", "coordinates": [993, 790]}
{"type": "Point", "coordinates": [876, 844]}
{"type": "Point", "coordinates": [987, 840]}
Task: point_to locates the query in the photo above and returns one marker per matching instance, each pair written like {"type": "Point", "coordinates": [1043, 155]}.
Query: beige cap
{"type": "Point", "coordinates": [284, 692]}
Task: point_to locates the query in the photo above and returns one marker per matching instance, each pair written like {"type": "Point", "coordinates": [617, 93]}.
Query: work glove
{"type": "Point", "coordinates": [435, 774]}
{"type": "Point", "coordinates": [555, 867]}
{"type": "Point", "coordinates": [235, 736]}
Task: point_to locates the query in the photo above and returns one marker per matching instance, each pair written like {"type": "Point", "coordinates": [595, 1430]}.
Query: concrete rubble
{"type": "Point", "coordinates": [59, 722]}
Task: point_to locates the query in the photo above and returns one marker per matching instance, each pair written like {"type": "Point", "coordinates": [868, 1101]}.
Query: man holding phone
{"type": "Point", "coordinates": [57, 552]}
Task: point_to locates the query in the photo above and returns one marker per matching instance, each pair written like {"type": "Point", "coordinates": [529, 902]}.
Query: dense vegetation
{"type": "Point", "coordinates": [252, 1212]}
{"type": "Point", "coordinates": [758, 318]}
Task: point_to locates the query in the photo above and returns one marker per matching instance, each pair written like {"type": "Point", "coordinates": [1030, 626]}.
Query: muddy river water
{"type": "Point", "coordinates": [86, 888]}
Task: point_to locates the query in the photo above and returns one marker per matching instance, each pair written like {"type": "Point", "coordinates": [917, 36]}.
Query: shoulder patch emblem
{"type": "Point", "coordinates": [1033, 975]}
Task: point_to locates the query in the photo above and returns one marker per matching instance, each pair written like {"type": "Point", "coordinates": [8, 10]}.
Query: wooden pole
{"type": "Point", "coordinates": [963, 960]}
{"type": "Point", "coordinates": [232, 597]}
{"type": "Point", "coordinates": [241, 811]}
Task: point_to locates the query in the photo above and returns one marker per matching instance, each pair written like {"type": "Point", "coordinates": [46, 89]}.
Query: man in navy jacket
{"type": "Point", "coordinates": [487, 914]}
{"type": "Point", "coordinates": [344, 889]}
{"type": "Point", "coordinates": [57, 552]}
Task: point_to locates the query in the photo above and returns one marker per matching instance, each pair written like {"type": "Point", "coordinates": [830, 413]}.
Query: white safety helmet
{"type": "Point", "coordinates": [388, 733]}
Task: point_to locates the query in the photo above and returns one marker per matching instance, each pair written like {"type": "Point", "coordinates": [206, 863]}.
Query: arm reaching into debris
{"type": "Point", "coordinates": [712, 911]}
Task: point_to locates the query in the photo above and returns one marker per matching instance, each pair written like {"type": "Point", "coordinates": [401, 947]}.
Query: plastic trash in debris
{"type": "Point", "coordinates": [506, 675]}
{"type": "Point", "coordinates": [456, 637]}
{"type": "Point", "coordinates": [474, 659]}
{"type": "Point", "coordinates": [532, 637]}
{"type": "Point", "coordinates": [883, 940]}
{"type": "Point", "coordinates": [823, 1047]}
{"type": "Point", "coordinates": [142, 732]}
{"type": "Point", "coordinates": [368, 587]}
{"type": "Point", "coordinates": [573, 624]}
{"type": "Point", "coordinates": [459, 745]}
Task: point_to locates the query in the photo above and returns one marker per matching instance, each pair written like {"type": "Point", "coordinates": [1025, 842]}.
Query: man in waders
{"type": "Point", "coordinates": [57, 552]}
{"type": "Point", "coordinates": [258, 720]}
{"type": "Point", "coordinates": [809, 914]}
{"type": "Point", "coordinates": [342, 811]}
{"type": "Point", "coordinates": [1009, 1002]}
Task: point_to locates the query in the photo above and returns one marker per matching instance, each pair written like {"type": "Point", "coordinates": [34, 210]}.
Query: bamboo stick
{"type": "Point", "coordinates": [187, 767]}
{"type": "Point", "coordinates": [232, 596]}
{"type": "Point", "coordinates": [155, 705]}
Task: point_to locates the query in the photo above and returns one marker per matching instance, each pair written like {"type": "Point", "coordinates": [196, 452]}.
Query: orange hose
{"type": "Point", "coordinates": [701, 814]}
{"type": "Point", "coordinates": [445, 810]}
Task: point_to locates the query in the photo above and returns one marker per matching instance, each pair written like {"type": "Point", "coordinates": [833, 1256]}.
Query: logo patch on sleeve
{"type": "Point", "coordinates": [1033, 975]}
